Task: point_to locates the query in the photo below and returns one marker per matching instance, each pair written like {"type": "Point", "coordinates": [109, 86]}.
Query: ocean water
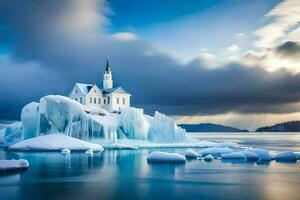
{"type": "Point", "coordinates": [125, 174]}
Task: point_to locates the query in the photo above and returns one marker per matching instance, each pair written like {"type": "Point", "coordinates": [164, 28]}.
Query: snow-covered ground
{"type": "Point", "coordinates": [55, 142]}
{"type": "Point", "coordinates": [6, 165]}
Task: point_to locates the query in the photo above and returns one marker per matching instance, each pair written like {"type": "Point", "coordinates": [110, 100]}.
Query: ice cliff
{"type": "Point", "coordinates": [59, 114]}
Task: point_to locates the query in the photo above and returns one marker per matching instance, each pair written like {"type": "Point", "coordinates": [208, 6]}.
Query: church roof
{"type": "Point", "coordinates": [84, 88]}
{"type": "Point", "coordinates": [115, 90]}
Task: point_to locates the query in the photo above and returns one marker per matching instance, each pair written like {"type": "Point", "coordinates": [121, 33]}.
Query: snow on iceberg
{"type": "Point", "coordinates": [234, 155]}
{"type": "Point", "coordinates": [286, 156]}
{"type": "Point", "coordinates": [6, 165]}
{"type": "Point", "coordinates": [59, 114]}
{"type": "Point", "coordinates": [55, 142]}
{"type": "Point", "coordinates": [165, 157]}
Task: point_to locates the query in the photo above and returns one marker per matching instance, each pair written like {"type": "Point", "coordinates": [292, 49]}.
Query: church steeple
{"type": "Point", "coordinates": [107, 77]}
{"type": "Point", "coordinates": [107, 68]}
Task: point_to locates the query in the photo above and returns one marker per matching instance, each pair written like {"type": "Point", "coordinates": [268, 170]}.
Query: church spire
{"type": "Point", "coordinates": [107, 77]}
{"type": "Point", "coordinates": [107, 68]}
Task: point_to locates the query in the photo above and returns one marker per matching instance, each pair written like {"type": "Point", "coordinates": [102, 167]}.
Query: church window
{"type": "Point", "coordinates": [91, 100]}
{"type": "Point", "coordinates": [95, 91]}
{"type": "Point", "coordinates": [95, 100]}
{"type": "Point", "coordinates": [124, 100]}
{"type": "Point", "coordinates": [99, 100]}
{"type": "Point", "coordinates": [104, 101]}
{"type": "Point", "coordinates": [76, 91]}
{"type": "Point", "coordinates": [108, 100]}
{"type": "Point", "coordinates": [80, 99]}
{"type": "Point", "coordinates": [118, 100]}
{"type": "Point", "coordinates": [75, 99]}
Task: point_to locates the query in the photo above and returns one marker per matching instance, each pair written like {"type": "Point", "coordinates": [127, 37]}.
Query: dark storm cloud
{"type": "Point", "coordinates": [289, 49]}
{"type": "Point", "coordinates": [56, 43]}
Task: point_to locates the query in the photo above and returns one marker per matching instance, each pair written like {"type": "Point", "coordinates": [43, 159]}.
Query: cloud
{"type": "Point", "coordinates": [240, 35]}
{"type": "Point", "coordinates": [283, 25]}
{"type": "Point", "coordinates": [125, 36]}
{"type": "Point", "coordinates": [55, 44]}
{"type": "Point", "coordinates": [233, 48]}
{"type": "Point", "coordinates": [285, 56]}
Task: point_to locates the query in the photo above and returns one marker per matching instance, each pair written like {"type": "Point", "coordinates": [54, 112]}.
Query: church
{"type": "Point", "coordinates": [95, 99]}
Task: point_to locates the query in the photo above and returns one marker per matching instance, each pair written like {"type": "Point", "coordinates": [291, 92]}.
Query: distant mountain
{"type": "Point", "coordinates": [209, 127]}
{"type": "Point", "coordinates": [292, 126]}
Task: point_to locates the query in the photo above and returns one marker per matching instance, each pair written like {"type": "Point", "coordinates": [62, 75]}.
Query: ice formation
{"type": "Point", "coordinates": [286, 156]}
{"type": "Point", "coordinates": [55, 142]}
{"type": "Point", "coordinates": [89, 152]}
{"type": "Point", "coordinates": [263, 154]}
{"type": "Point", "coordinates": [65, 151]}
{"type": "Point", "coordinates": [191, 154]}
{"type": "Point", "coordinates": [59, 114]}
{"type": "Point", "coordinates": [208, 157]}
{"type": "Point", "coordinates": [216, 151]}
{"type": "Point", "coordinates": [6, 165]}
{"type": "Point", "coordinates": [234, 155]}
{"type": "Point", "coordinates": [10, 134]}
{"type": "Point", "coordinates": [165, 157]}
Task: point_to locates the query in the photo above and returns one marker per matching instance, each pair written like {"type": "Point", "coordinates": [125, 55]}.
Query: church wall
{"type": "Point", "coordinates": [77, 95]}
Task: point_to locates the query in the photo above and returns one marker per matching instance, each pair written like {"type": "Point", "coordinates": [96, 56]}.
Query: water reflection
{"type": "Point", "coordinates": [125, 174]}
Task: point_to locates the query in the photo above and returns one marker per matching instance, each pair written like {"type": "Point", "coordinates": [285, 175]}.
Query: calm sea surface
{"type": "Point", "coordinates": [125, 174]}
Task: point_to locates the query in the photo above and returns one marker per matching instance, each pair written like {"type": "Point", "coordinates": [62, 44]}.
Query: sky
{"type": "Point", "coordinates": [234, 62]}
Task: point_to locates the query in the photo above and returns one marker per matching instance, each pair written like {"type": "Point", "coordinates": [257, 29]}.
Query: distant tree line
{"type": "Point", "coordinates": [291, 126]}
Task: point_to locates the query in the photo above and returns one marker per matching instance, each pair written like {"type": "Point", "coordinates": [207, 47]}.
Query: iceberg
{"type": "Point", "coordinates": [6, 165]}
{"type": "Point", "coordinates": [208, 157]}
{"type": "Point", "coordinates": [286, 156]}
{"type": "Point", "coordinates": [216, 151]}
{"type": "Point", "coordinates": [234, 155]}
{"type": "Point", "coordinates": [165, 157]}
{"type": "Point", "coordinates": [59, 114]}
{"type": "Point", "coordinates": [55, 142]}
{"type": "Point", "coordinates": [250, 155]}
{"type": "Point", "coordinates": [263, 154]}
{"type": "Point", "coordinates": [191, 154]}
{"type": "Point", "coordinates": [10, 134]}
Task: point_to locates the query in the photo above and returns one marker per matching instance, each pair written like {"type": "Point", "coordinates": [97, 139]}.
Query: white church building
{"type": "Point", "coordinates": [110, 98]}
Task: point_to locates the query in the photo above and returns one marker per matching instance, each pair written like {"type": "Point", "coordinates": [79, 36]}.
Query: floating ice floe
{"type": "Point", "coordinates": [65, 151]}
{"type": "Point", "coordinates": [250, 155]}
{"type": "Point", "coordinates": [263, 154]}
{"type": "Point", "coordinates": [89, 152]}
{"type": "Point", "coordinates": [208, 157]}
{"type": "Point", "coordinates": [227, 144]}
{"type": "Point", "coordinates": [286, 156]}
{"type": "Point", "coordinates": [165, 157]}
{"type": "Point", "coordinates": [55, 142]}
{"type": "Point", "coordinates": [191, 154]}
{"type": "Point", "coordinates": [6, 165]}
{"type": "Point", "coordinates": [215, 151]}
{"type": "Point", "coordinates": [234, 155]}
